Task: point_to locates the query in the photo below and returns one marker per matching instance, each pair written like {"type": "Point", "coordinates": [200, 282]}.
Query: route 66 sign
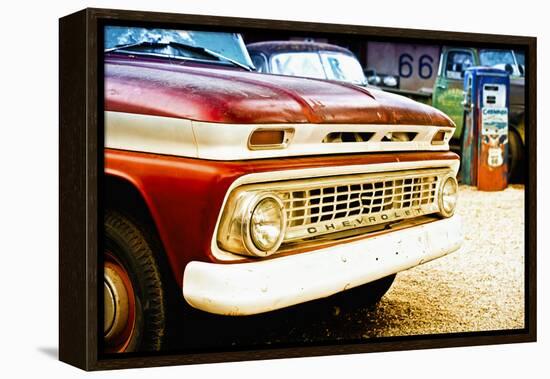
{"type": "Point", "coordinates": [494, 131]}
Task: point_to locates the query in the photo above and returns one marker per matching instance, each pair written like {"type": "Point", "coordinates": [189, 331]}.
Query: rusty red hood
{"type": "Point", "coordinates": [220, 95]}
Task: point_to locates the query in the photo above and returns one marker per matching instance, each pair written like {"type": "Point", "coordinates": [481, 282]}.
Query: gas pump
{"type": "Point", "coordinates": [485, 133]}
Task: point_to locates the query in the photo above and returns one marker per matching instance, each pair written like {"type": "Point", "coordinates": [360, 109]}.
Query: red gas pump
{"type": "Point", "coordinates": [485, 132]}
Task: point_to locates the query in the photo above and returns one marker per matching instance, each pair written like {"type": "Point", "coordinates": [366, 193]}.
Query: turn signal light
{"type": "Point", "coordinates": [270, 139]}
{"type": "Point", "coordinates": [438, 138]}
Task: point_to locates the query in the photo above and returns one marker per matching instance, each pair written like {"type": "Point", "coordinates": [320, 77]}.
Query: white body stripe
{"type": "Point", "coordinates": [150, 134]}
{"type": "Point", "coordinates": [173, 136]}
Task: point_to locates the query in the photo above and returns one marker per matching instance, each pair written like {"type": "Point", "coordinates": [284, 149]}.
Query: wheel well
{"type": "Point", "coordinates": [122, 196]}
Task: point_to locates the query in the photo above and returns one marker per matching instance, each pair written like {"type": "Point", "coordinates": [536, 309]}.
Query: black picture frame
{"type": "Point", "coordinates": [80, 166]}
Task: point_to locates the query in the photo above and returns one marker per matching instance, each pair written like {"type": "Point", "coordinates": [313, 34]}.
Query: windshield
{"type": "Point", "coordinates": [499, 59]}
{"type": "Point", "coordinates": [496, 57]}
{"type": "Point", "coordinates": [520, 56]}
{"type": "Point", "coordinates": [229, 45]}
{"type": "Point", "coordinates": [319, 65]}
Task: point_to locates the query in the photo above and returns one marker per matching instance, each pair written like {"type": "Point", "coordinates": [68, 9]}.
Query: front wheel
{"type": "Point", "coordinates": [133, 295]}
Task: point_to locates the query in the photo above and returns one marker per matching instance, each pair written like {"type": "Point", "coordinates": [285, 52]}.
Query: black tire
{"type": "Point", "coordinates": [515, 157]}
{"type": "Point", "coordinates": [366, 295]}
{"type": "Point", "coordinates": [127, 243]}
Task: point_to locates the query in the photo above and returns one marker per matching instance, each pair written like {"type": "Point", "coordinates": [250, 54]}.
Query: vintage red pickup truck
{"type": "Point", "coordinates": [251, 192]}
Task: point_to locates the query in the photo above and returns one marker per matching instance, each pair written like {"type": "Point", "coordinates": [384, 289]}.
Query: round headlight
{"type": "Point", "coordinates": [266, 225]}
{"type": "Point", "coordinates": [448, 194]}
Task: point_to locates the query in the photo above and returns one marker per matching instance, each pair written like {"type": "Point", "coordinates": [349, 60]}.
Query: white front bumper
{"type": "Point", "coordinates": [262, 286]}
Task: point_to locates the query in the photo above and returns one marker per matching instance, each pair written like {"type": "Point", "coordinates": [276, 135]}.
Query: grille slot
{"type": "Point", "coordinates": [343, 137]}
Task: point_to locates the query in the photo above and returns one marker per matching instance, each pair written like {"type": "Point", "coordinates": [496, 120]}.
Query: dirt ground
{"type": "Point", "coordinates": [478, 288]}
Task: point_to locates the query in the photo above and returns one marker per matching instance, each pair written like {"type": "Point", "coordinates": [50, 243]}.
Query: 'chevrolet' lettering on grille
{"type": "Point", "coordinates": [365, 221]}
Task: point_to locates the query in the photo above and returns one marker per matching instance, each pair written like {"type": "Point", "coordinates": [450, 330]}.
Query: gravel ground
{"type": "Point", "coordinates": [478, 288]}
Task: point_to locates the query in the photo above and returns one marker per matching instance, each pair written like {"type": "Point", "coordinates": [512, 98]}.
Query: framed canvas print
{"type": "Point", "coordinates": [237, 189]}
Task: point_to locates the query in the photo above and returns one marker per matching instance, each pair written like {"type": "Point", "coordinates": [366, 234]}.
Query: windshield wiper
{"type": "Point", "coordinates": [180, 45]}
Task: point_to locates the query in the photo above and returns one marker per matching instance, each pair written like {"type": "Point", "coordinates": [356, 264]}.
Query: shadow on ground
{"type": "Point", "coordinates": [50, 351]}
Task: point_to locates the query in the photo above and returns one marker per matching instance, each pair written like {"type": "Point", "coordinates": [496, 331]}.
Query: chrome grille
{"type": "Point", "coordinates": [328, 205]}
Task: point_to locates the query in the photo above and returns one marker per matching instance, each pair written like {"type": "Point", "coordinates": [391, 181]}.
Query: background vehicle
{"type": "Point", "coordinates": [307, 59]}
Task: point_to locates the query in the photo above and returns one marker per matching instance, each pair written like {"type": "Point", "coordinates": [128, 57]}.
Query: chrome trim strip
{"type": "Point", "coordinates": [195, 139]}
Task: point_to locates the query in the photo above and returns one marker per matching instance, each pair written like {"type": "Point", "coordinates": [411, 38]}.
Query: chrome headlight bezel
{"type": "Point", "coordinates": [443, 209]}
{"type": "Point", "coordinates": [235, 233]}
{"type": "Point", "coordinates": [246, 225]}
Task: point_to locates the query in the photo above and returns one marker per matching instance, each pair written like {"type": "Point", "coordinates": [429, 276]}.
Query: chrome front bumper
{"type": "Point", "coordinates": [270, 284]}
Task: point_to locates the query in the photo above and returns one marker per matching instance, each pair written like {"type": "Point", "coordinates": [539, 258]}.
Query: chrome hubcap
{"type": "Point", "coordinates": [109, 308]}
{"type": "Point", "coordinates": [116, 303]}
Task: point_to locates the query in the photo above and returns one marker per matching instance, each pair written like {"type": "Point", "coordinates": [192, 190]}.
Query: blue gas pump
{"type": "Point", "coordinates": [485, 131]}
